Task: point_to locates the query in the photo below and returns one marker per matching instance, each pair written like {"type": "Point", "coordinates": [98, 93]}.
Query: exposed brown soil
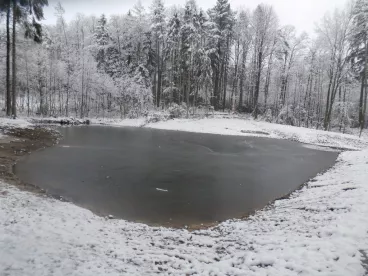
{"type": "Point", "coordinates": [19, 142]}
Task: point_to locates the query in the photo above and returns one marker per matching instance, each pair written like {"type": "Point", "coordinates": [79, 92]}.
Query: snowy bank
{"type": "Point", "coordinates": [222, 126]}
{"type": "Point", "coordinates": [20, 123]}
{"type": "Point", "coordinates": [6, 123]}
{"type": "Point", "coordinates": [59, 120]}
{"type": "Point", "coordinates": [241, 127]}
{"type": "Point", "coordinates": [118, 122]}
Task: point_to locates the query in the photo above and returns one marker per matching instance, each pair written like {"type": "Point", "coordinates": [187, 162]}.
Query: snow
{"type": "Point", "coordinates": [241, 127]}
{"type": "Point", "coordinates": [321, 229]}
{"type": "Point", "coordinates": [20, 123]}
{"type": "Point", "coordinates": [120, 123]}
{"type": "Point", "coordinates": [8, 123]}
{"type": "Point", "coordinates": [161, 190]}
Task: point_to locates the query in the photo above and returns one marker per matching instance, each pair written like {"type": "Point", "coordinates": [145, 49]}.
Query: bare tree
{"type": "Point", "coordinates": [334, 34]}
{"type": "Point", "coordinates": [264, 23]}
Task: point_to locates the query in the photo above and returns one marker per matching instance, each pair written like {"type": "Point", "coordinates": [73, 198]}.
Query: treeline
{"type": "Point", "coordinates": [27, 14]}
{"type": "Point", "coordinates": [187, 58]}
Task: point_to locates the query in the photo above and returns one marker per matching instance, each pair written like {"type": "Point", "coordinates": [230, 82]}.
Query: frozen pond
{"type": "Point", "coordinates": [168, 177]}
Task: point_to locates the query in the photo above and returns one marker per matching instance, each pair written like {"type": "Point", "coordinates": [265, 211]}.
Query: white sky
{"type": "Point", "coordinates": [303, 14]}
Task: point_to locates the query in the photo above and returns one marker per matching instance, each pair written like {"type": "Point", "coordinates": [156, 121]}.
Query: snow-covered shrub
{"type": "Point", "coordinates": [155, 117]}
{"type": "Point", "coordinates": [286, 115]}
{"type": "Point", "coordinates": [268, 116]}
{"type": "Point", "coordinates": [340, 115]}
{"type": "Point", "coordinates": [177, 111]}
{"type": "Point", "coordinates": [134, 96]}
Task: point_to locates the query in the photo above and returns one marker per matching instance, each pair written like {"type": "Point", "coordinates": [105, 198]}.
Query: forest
{"type": "Point", "coordinates": [185, 61]}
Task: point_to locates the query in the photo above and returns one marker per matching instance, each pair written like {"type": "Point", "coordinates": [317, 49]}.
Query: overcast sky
{"type": "Point", "coordinates": [303, 14]}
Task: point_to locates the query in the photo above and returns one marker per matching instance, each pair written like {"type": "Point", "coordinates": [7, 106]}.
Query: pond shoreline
{"type": "Point", "coordinates": [18, 143]}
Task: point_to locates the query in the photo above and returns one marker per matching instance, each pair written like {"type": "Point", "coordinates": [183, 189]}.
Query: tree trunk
{"type": "Point", "coordinates": [361, 101]}
{"type": "Point", "coordinates": [235, 80]}
{"type": "Point", "coordinates": [268, 78]}
{"type": "Point", "coordinates": [159, 75]}
{"type": "Point", "coordinates": [14, 82]}
{"type": "Point", "coordinates": [40, 86]}
{"type": "Point", "coordinates": [225, 90]}
{"type": "Point", "coordinates": [8, 92]}
{"type": "Point", "coordinates": [241, 92]}
{"type": "Point", "coordinates": [154, 88]}
{"type": "Point", "coordinates": [343, 109]}
{"type": "Point", "coordinates": [364, 81]}
{"type": "Point", "coordinates": [216, 77]}
{"type": "Point", "coordinates": [309, 92]}
{"type": "Point", "coordinates": [27, 78]}
{"type": "Point", "coordinates": [325, 122]}
{"type": "Point", "coordinates": [226, 61]}
{"type": "Point", "coordinates": [83, 78]}
{"type": "Point", "coordinates": [258, 80]}
{"type": "Point", "coordinates": [242, 77]}
{"type": "Point", "coordinates": [189, 83]}
{"type": "Point", "coordinates": [215, 97]}
{"type": "Point", "coordinates": [225, 84]}
{"type": "Point", "coordinates": [283, 84]}
{"type": "Point", "coordinates": [67, 96]}
{"type": "Point", "coordinates": [221, 81]}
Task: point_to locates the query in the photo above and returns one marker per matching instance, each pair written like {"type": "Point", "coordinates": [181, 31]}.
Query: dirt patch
{"type": "Point", "coordinates": [20, 142]}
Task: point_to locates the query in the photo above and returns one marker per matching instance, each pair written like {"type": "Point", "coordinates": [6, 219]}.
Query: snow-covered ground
{"type": "Point", "coordinates": [120, 123]}
{"type": "Point", "coordinates": [263, 129]}
{"type": "Point", "coordinates": [7, 122]}
{"type": "Point", "coordinates": [21, 123]}
{"type": "Point", "coordinates": [321, 229]}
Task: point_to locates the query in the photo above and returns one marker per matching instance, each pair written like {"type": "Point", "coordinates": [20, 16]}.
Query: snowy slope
{"type": "Point", "coordinates": [263, 129]}
{"type": "Point", "coordinates": [21, 123]}
{"type": "Point", "coordinates": [116, 122]}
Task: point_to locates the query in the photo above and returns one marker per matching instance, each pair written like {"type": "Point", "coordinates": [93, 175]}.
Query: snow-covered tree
{"type": "Point", "coordinates": [359, 56]}
{"type": "Point", "coordinates": [264, 22]}
{"type": "Point", "coordinates": [334, 33]}
{"type": "Point", "coordinates": [158, 30]}
{"type": "Point", "coordinates": [220, 34]}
